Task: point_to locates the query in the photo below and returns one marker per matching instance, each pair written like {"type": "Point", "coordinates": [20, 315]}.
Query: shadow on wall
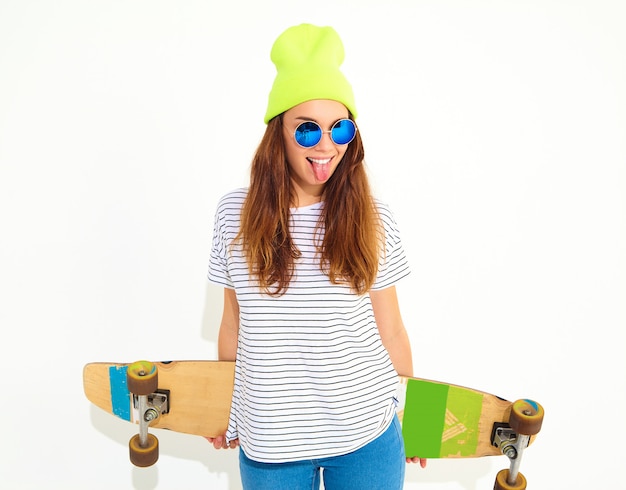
{"type": "Point", "coordinates": [219, 464]}
{"type": "Point", "coordinates": [222, 464]}
{"type": "Point", "coordinates": [467, 473]}
{"type": "Point", "coordinates": [212, 315]}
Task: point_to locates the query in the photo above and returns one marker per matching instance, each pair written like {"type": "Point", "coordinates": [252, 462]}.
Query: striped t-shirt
{"type": "Point", "coordinates": [312, 378]}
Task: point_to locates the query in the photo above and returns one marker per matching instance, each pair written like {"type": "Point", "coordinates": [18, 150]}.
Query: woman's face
{"type": "Point", "coordinates": [310, 168]}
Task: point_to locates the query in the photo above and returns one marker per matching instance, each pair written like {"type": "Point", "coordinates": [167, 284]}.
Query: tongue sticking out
{"type": "Point", "coordinates": [321, 171]}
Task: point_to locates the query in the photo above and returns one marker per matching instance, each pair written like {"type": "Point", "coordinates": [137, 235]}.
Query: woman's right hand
{"type": "Point", "coordinates": [219, 442]}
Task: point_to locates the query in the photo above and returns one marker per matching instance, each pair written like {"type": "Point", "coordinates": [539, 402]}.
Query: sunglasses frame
{"type": "Point", "coordinates": [323, 132]}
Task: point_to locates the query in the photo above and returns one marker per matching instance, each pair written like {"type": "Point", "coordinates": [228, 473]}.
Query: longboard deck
{"type": "Point", "coordinates": [439, 420]}
{"type": "Point", "coordinates": [200, 394]}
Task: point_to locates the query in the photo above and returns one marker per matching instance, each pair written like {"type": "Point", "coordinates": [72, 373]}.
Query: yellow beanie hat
{"type": "Point", "coordinates": [307, 60]}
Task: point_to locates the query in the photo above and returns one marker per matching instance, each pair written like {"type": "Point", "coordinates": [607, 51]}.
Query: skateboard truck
{"type": "Point", "coordinates": [142, 380]}
{"type": "Point", "coordinates": [525, 421]}
{"type": "Point", "coordinates": [157, 404]}
{"type": "Point", "coordinates": [512, 446]}
{"type": "Point", "coordinates": [150, 407]}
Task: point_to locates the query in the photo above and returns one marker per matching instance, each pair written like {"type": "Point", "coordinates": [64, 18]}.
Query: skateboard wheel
{"type": "Point", "coordinates": [502, 484]}
{"type": "Point", "coordinates": [526, 417]}
{"type": "Point", "coordinates": [143, 456]}
{"type": "Point", "coordinates": [142, 378]}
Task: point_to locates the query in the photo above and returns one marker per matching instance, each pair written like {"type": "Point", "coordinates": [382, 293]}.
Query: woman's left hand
{"type": "Point", "coordinates": [421, 461]}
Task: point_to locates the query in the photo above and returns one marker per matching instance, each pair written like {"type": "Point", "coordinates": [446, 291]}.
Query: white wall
{"type": "Point", "coordinates": [496, 130]}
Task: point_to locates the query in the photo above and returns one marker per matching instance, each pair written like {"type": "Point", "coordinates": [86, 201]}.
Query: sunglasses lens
{"type": "Point", "coordinates": [343, 132]}
{"type": "Point", "coordinates": [308, 134]}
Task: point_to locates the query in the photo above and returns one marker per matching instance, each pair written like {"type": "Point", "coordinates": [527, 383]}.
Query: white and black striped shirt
{"type": "Point", "coordinates": [312, 378]}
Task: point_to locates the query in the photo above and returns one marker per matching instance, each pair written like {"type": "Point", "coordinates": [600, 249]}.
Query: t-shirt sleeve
{"type": "Point", "coordinates": [218, 262]}
{"type": "Point", "coordinates": [394, 264]}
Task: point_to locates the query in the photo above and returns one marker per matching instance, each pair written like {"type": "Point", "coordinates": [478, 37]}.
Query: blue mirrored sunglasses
{"type": "Point", "coordinates": [309, 133]}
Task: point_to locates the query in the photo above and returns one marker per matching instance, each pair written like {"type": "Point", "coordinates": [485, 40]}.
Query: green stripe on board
{"type": "Point", "coordinates": [424, 418]}
{"type": "Point", "coordinates": [460, 435]}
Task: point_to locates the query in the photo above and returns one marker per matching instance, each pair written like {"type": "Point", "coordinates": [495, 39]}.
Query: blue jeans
{"type": "Point", "coordinates": [378, 465]}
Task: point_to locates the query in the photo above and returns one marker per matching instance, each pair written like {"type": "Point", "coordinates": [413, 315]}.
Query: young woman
{"type": "Point", "coordinates": [309, 261]}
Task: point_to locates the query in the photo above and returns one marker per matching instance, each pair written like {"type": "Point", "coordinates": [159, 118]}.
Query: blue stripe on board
{"type": "Point", "coordinates": [120, 396]}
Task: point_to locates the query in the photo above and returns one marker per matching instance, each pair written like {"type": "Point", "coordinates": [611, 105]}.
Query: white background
{"type": "Point", "coordinates": [496, 130]}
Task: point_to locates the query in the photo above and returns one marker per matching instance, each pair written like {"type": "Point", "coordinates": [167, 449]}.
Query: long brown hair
{"type": "Point", "coordinates": [352, 232]}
